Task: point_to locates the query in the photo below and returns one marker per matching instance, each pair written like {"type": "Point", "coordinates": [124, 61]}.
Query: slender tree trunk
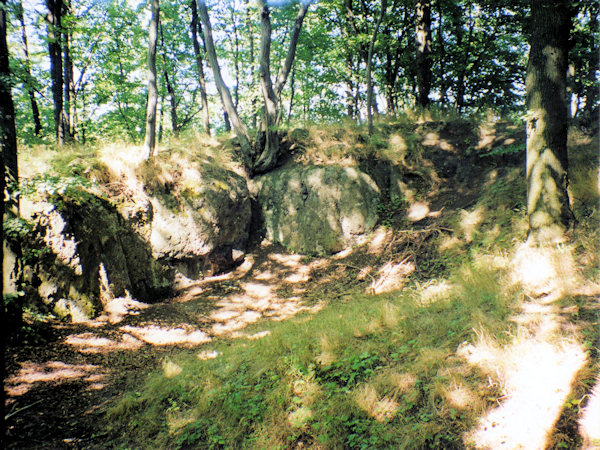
{"type": "Point", "coordinates": [236, 58]}
{"type": "Point", "coordinates": [68, 78]}
{"type": "Point", "coordinates": [150, 140]}
{"type": "Point", "coordinates": [161, 111]}
{"type": "Point", "coordinates": [292, 93]}
{"type": "Point", "coordinates": [370, 64]}
{"type": "Point", "coordinates": [55, 10]}
{"type": "Point", "coordinates": [196, 30]}
{"type": "Point", "coordinates": [3, 324]}
{"type": "Point", "coordinates": [252, 62]}
{"type": "Point", "coordinates": [238, 126]}
{"type": "Point", "coordinates": [349, 87]}
{"type": "Point", "coordinates": [8, 133]}
{"type": "Point", "coordinates": [548, 206]}
{"type": "Point", "coordinates": [169, 85]}
{"type": "Point", "coordinates": [271, 92]}
{"type": "Point", "coordinates": [442, 58]}
{"type": "Point", "coordinates": [35, 112]}
{"type": "Point", "coordinates": [423, 38]}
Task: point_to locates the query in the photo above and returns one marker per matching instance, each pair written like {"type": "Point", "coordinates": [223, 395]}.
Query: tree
{"type": "Point", "coordinates": [54, 20]}
{"type": "Point", "coordinates": [29, 81]}
{"type": "Point", "coordinates": [150, 139]}
{"type": "Point", "coordinates": [370, 64]}
{"type": "Point", "coordinates": [548, 206]}
{"type": "Point", "coordinates": [8, 133]}
{"type": "Point", "coordinates": [264, 154]}
{"type": "Point", "coordinates": [423, 40]}
{"type": "Point", "coordinates": [228, 106]}
{"type": "Point", "coordinates": [269, 145]}
{"type": "Point", "coordinates": [195, 30]}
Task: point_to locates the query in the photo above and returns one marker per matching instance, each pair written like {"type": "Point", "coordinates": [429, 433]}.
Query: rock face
{"type": "Point", "coordinates": [316, 209]}
{"type": "Point", "coordinates": [88, 254]}
{"type": "Point", "coordinates": [203, 226]}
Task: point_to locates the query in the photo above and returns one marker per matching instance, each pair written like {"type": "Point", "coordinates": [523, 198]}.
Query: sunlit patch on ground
{"type": "Point", "coordinates": [545, 270]}
{"type": "Point", "coordinates": [56, 372]}
{"type": "Point", "coordinates": [92, 343]}
{"type": "Point", "coordinates": [391, 276]}
{"type": "Point", "coordinates": [162, 335]}
{"type": "Point", "coordinates": [117, 309]}
{"type": "Point", "coordinates": [536, 372]}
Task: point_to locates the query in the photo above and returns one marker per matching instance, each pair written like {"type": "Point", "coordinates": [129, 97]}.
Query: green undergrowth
{"type": "Point", "coordinates": [368, 372]}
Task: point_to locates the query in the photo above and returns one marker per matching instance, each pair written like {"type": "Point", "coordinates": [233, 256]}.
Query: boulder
{"type": "Point", "coordinates": [201, 226]}
{"type": "Point", "coordinates": [316, 209]}
{"type": "Point", "coordinates": [87, 254]}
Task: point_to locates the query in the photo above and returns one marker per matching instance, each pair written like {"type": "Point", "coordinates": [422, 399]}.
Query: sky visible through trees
{"type": "Point", "coordinates": [477, 62]}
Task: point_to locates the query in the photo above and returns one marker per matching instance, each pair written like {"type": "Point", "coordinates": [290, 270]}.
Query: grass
{"type": "Point", "coordinates": [373, 371]}
{"type": "Point", "coordinates": [396, 370]}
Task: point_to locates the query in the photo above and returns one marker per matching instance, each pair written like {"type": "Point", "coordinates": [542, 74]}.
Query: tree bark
{"type": "Point", "coordinates": [170, 88]}
{"type": "Point", "coordinates": [196, 29]}
{"type": "Point", "coordinates": [150, 139]}
{"type": "Point", "coordinates": [423, 38]}
{"type": "Point", "coordinates": [35, 112]}
{"type": "Point", "coordinates": [369, 67]}
{"type": "Point", "coordinates": [252, 62]}
{"type": "Point", "coordinates": [548, 207]}
{"type": "Point", "coordinates": [55, 10]}
{"type": "Point", "coordinates": [69, 90]}
{"type": "Point", "coordinates": [238, 126]}
{"type": "Point", "coordinates": [8, 132]}
{"type": "Point", "coordinates": [269, 148]}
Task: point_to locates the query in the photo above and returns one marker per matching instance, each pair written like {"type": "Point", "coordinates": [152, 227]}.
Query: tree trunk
{"type": "Point", "coordinates": [196, 29]}
{"type": "Point", "coordinates": [423, 38]}
{"type": "Point", "coordinates": [369, 66]}
{"type": "Point", "coordinates": [3, 324]}
{"type": "Point", "coordinates": [35, 112]}
{"type": "Point", "coordinates": [55, 10]}
{"type": "Point", "coordinates": [548, 208]}
{"type": "Point", "coordinates": [170, 88]}
{"type": "Point", "coordinates": [150, 139]}
{"type": "Point", "coordinates": [8, 133]}
{"type": "Point", "coordinates": [252, 62]}
{"type": "Point", "coordinates": [236, 57]}
{"type": "Point", "coordinates": [268, 146]}
{"type": "Point", "coordinates": [238, 126]}
{"type": "Point", "coordinates": [69, 89]}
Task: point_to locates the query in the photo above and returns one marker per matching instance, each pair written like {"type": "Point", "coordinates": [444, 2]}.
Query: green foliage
{"type": "Point", "coordinates": [50, 186]}
{"type": "Point", "coordinates": [503, 150]}
{"type": "Point", "coordinates": [17, 228]}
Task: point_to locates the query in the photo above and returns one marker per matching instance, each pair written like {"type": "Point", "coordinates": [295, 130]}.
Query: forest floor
{"type": "Point", "coordinates": [60, 386]}
{"type": "Point", "coordinates": [58, 389]}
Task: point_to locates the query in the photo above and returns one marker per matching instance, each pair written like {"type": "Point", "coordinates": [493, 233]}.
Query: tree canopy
{"type": "Point", "coordinates": [477, 53]}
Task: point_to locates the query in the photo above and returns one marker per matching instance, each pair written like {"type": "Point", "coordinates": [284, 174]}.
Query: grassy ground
{"type": "Point", "coordinates": [440, 331]}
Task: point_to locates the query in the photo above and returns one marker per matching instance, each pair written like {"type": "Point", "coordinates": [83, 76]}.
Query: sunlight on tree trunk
{"type": "Point", "coordinates": [548, 207]}
{"type": "Point", "coordinates": [150, 140]}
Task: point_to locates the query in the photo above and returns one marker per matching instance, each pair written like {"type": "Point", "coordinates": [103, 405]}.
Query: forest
{"type": "Point", "coordinates": [300, 224]}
